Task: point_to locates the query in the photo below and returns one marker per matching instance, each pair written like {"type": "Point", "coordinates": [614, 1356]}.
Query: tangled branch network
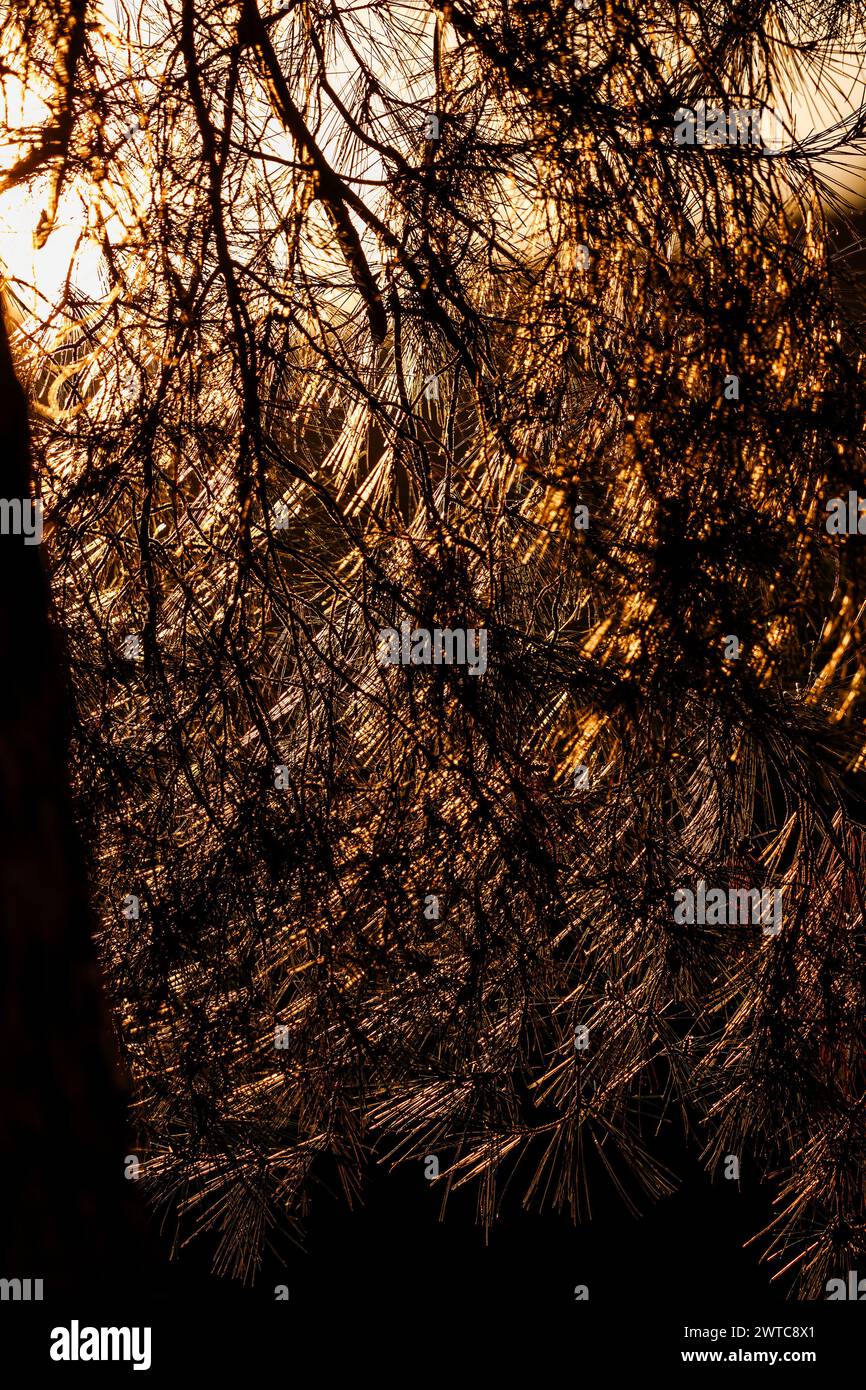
{"type": "Point", "coordinates": [381, 330]}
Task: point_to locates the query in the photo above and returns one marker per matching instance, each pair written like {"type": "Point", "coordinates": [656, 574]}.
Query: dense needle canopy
{"type": "Point", "coordinates": [367, 303]}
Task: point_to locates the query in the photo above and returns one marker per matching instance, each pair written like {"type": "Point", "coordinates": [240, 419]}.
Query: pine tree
{"type": "Point", "coordinates": [427, 318]}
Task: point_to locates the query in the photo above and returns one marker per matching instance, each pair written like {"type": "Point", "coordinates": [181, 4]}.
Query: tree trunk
{"type": "Point", "coordinates": [68, 1212]}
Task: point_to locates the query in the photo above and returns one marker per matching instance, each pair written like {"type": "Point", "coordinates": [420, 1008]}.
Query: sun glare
{"type": "Point", "coordinates": [39, 276]}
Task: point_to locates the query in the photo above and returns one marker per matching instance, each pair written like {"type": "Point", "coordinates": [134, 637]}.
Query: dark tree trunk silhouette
{"type": "Point", "coordinates": [66, 1202]}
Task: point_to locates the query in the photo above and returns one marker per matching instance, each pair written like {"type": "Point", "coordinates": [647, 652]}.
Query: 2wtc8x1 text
{"type": "Point", "coordinates": [714, 1334]}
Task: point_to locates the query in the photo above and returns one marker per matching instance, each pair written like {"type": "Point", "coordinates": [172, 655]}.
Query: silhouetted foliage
{"type": "Point", "coordinates": [246, 466]}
